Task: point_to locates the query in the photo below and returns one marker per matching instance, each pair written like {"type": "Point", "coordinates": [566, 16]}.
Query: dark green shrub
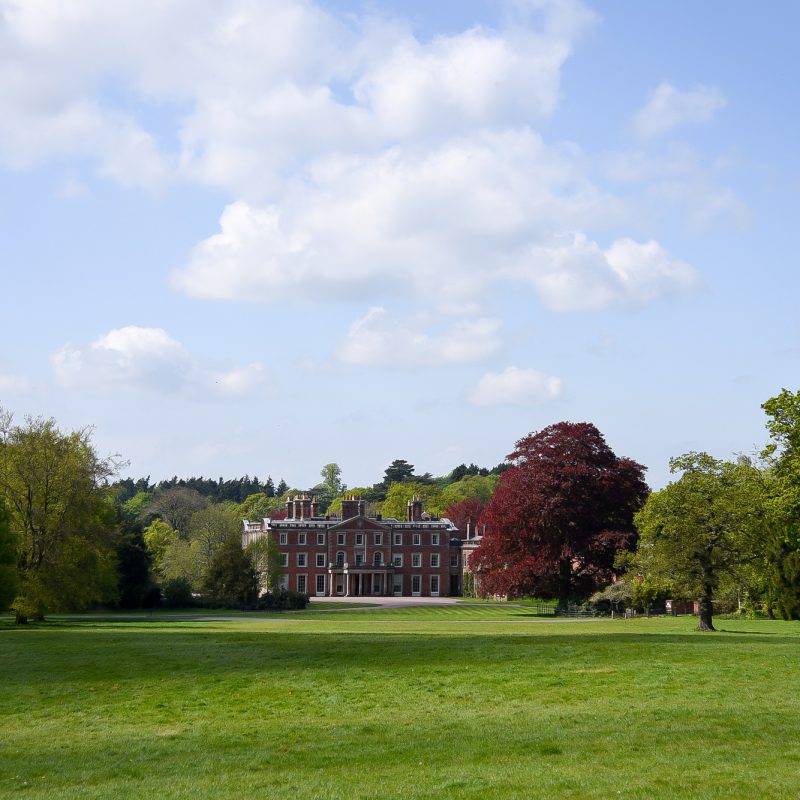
{"type": "Point", "coordinates": [282, 601]}
{"type": "Point", "coordinates": [152, 598]}
{"type": "Point", "coordinates": [177, 593]}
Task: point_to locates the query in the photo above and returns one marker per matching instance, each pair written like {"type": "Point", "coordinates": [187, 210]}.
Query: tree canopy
{"type": "Point", "coordinates": [559, 515]}
{"type": "Point", "coordinates": [61, 517]}
{"type": "Point", "coordinates": [8, 558]}
{"type": "Point", "coordinates": [703, 527]}
{"type": "Point", "coordinates": [783, 456]}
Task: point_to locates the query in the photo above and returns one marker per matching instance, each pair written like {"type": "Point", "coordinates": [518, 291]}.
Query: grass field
{"type": "Point", "coordinates": [451, 702]}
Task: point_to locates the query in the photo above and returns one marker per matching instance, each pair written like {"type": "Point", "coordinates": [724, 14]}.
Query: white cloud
{"type": "Point", "coordinates": [669, 108]}
{"type": "Point", "coordinates": [364, 160]}
{"type": "Point", "coordinates": [147, 358]}
{"type": "Point", "coordinates": [441, 225]}
{"type": "Point", "coordinates": [575, 273]}
{"type": "Point", "coordinates": [516, 386]}
{"type": "Point", "coordinates": [379, 340]}
{"type": "Point", "coordinates": [13, 383]}
{"type": "Point", "coordinates": [266, 86]}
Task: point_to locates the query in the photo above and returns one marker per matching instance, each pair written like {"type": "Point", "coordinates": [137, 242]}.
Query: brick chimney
{"type": "Point", "coordinates": [352, 507]}
{"type": "Point", "coordinates": [414, 510]}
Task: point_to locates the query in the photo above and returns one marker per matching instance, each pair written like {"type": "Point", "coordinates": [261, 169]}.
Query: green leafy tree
{"type": "Point", "coordinates": [8, 560]}
{"type": "Point", "coordinates": [331, 485]}
{"type": "Point", "coordinates": [783, 455]}
{"type": "Point", "coordinates": [470, 487]}
{"type": "Point", "coordinates": [207, 530]}
{"type": "Point", "coordinates": [265, 556]}
{"type": "Point", "coordinates": [258, 506]}
{"type": "Point", "coordinates": [135, 509]}
{"type": "Point", "coordinates": [396, 503]}
{"type": "Point", "coordinates": [159, 536]}
{"type": "Point", "coordinates": [175, 506]}
{"type": "Point", "coordinates": [178, 593]}
{"type": "Point", "coordinates": [399, 470]}
{"type": "Point", "coordinates": [231, 579]}
{"type": "Point", "coordinates": [61, 516]}
{"type": "Point", "coordinates": [703, 528]}
{"type": "Point", "coordinates": [133, 566]}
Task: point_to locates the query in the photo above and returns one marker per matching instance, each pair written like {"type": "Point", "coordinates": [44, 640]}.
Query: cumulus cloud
{"type": "Point", "coordinates": [147, 358]}
{"type": "Point", "coordinates": [669, 108]}
{"type": "Point", "coordinates": [377, 339]}
{"type": "Point", "coordinates": [516, 386]}
{"type": "Point", "coordinates": [441, 225]}
{"type": "Point", "coordinates": [364, 160]}
{"type": "Point", "coordinates": [257, 87]}
{"type": "Point", "coordinates": [575, 273]}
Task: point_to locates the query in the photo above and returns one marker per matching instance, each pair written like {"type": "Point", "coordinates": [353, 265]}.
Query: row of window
{"type": "Point", "coordinates": [377, 560]}
{"type": "Point", "coordinates": [360, 538]}
{"type": "Point", "coordinates": [301, 584]}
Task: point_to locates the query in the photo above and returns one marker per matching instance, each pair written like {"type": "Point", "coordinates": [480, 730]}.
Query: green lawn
{"type": "Point", "coordinates": [472, 701]}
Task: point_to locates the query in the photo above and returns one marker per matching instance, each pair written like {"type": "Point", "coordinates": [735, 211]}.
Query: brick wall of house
{"type": "Point", "coordinates": [419, 551]}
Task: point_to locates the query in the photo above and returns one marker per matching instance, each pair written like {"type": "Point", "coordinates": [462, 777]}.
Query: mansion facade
{"type": "Point", "coordinates": [360, 555]}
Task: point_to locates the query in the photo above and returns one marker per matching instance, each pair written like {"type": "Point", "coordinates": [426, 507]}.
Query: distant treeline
{"type": "Point", "coordinates": [237, 490]}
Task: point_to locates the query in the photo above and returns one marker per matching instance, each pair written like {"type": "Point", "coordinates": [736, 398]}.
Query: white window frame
{"type": "Point", "coordinates": [435, 539]}
{"type": "Point", "coordinates": [320, 578]}
{"type": "Point", "coordinates": [283, 538]}
{"type": "Point", "coordinates": [284, 559]}
{"type": "Point", "coordinates": [416, 539]}
{"type": "Point", "coordinates": [340, 558]}
{"type": "Point", "coordinates": [453, 559]}
{"type": "Point", "coordinates": [321, 538]}
{"type": "Point", "coordinates": [301, 538]}
{"type": "Point", "coordinates": [398, 540]}
{"type": "Point", "coordinates": [320, 559]}
{"type": "Point", "coordinates": [416, 560]}
{"type": "Point", "coordinates": [378, 539]}
{"type": "Point", "coordinates": [434, 559]}
{"type": "Point", "coordinates": [359, 559]}
{"type": "Point", "coordinates": [359, 539]}
{"type": "Point", "coordinates": [340, 539]}
{"type": "Point", "coordinates": [377, 559]}
{"type": "Point", "coordinates": [283, 583]}
{"type": "Point", "coordinates": [418, 580]}
{"type": "Point", "coordinates": [304, 578]}
{"type": "Point", "coordinates": [397, 560]}
{"type": "Point", "coordinates": [302, 559]}
{"type": "Point", "coordinates": [435, 581]}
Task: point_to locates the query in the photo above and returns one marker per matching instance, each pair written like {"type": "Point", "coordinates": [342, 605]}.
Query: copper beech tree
{"type": "Point", "coordinates": [559, 515]}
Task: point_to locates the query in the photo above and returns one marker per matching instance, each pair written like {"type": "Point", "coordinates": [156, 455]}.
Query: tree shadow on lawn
{"type": "Point", "coordinates": [85, 652]}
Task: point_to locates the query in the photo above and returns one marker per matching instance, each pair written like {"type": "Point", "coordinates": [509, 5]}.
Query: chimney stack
{"type": "Point", "coordinates": [414, 510]}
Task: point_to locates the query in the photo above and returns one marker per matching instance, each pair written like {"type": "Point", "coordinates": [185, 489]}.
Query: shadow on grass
{"type": "Point", "coordinates": [90, 652]}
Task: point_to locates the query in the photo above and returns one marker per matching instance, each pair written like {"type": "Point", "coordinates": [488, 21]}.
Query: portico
{"type": "Point", "coordinates": [360, 581]}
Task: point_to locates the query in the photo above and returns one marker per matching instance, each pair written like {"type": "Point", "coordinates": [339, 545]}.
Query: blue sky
{"type": "Point", "coordinates": [256, 238]}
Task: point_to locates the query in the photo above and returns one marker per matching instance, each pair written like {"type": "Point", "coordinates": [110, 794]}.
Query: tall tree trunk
{"type": "Point", "coordinates": [564, 583]}
{"type": "Point", "coordinates": [704, 621]}
{"type": "Point", "coordinates": [20, 618]}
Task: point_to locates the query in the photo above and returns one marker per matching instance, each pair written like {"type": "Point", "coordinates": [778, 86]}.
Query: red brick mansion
{"type": "Point", "coordinates": [357, 555]}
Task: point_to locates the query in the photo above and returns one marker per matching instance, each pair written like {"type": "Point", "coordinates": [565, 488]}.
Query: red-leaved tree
{"type": "Point", "coordinates": [559, 515]}
{"type": "Point", "coordinates": [469, 511]}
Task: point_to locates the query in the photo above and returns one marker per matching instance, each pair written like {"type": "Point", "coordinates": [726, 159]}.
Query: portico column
{"type": "Point", "coordinates": [346, 585]}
